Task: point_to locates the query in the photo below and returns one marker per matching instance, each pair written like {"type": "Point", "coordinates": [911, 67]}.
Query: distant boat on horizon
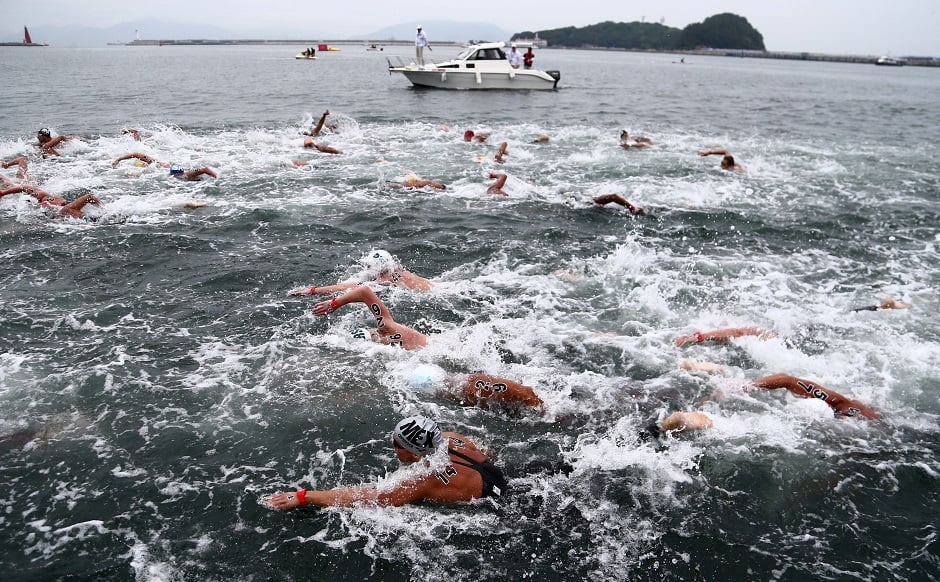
{"type": "Point", "coordinates": [27, 40]}
{"type": "Point", "coordinates": [888, 61]}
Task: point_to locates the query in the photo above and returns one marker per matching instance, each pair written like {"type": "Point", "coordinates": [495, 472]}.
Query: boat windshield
{"type": "Point", "coordinates": [487, 54]}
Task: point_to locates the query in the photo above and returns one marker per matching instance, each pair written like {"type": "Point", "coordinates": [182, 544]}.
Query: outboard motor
{"type": "Point", "coordinates": [554, 75]}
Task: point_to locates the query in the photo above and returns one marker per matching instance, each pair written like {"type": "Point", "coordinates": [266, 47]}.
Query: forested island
{"type": "Point", "coordinates": [722, 31]}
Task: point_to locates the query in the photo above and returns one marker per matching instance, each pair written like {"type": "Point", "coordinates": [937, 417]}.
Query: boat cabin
{"type": "Point", "coordinates": [483, 52]}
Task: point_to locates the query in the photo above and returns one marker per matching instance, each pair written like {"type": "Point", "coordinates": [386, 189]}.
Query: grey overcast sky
{"type": "Point", "coordinates": [869, 27]}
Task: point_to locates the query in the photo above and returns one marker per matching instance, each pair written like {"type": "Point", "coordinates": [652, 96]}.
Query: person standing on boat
{"type": "Point", "coordinates": [527, 58]}
{"type": "Point", "coordinates": [515, 59]}
{"type": "Point", "coordinates": [421, 41]}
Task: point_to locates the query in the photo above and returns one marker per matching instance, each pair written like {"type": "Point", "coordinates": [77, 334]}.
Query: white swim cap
{"type": "Point", "coordinates": [426, 377]}
{"type": "Point", "coordinates": [361, 333]}
{"type": "Point", "coordinates": [418, 435]}
{"type": "Point", "coordinates": [378, 261]}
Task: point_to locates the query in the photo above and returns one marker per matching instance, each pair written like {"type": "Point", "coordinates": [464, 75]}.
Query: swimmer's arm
{"type": "Point", "coordinates": [326, 149]}
{"type": "Point", "coordinates": [686, 422]}
{"type": "Point", "coordinates": [359, 294]}
{"type": "Point", "coordinates": [133, 132]}
{"type": "Point", "coordinates": [406, 492]}
{"type": "Point", "coordinates": [713, 153]}
{"type": "Point", "coordinates": [136, 155]}
{"type": "Point", "coordinates": [14, 190]}
{"type": "Point", "coordinates": [707, 367]}
{"type": "Point", "coordinates": [775, 381]}
{"type": "Point", "coordinates": [513, 391]}
{"type": "Point", "coordinates": [327, 290]}
{"type": "Point", "coordinates": [502, 151]}
{"type": "Point", "coordinates": [809, 389]}
{"type": "Point", "coordinates": [33, 191]}
{"type": "Point", "coordinates": [54, 142]}
{"type": "Point", "coordinates": [723, 335]}
{"type": "Point", "coordinates": [497, 187]}
{"type": "Point", "coordinates": [403, 494]}
{"type": "Point", "coordinates": [315, 131]}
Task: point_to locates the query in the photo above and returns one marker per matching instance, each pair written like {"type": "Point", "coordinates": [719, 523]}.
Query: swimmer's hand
{"type": "Point", "coordinates": [707, 367]}
{"type": "Point", "coordinates": [303, 291]}
{"type": "Point", "coordinates": [687, 422]}
{"type": "Point", "coordinates": [684, 340]}
{"type": "Point", "coordinates": [325, 307]}
{"type": "Point", "coordinates": [286, 500]}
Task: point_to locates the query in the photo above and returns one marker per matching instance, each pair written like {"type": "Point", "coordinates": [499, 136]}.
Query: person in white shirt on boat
{"type": "Point", "coordinates": [421, 41]}
{"type": "Point", "coordinates": [514, 57]}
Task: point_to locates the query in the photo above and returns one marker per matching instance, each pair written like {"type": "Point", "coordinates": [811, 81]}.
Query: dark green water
{"type": "Point", "coordinates": [171, 382]}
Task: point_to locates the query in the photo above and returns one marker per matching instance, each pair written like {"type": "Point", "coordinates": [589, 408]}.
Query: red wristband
{"type": "Point", "coordinates": [301, 497]}
{"type": "Point", "coordinates": [698, 336]}
{"type": "Point", "coordinates": [313, 290]}
{"type": "Point", "coordinates": [333, 305]}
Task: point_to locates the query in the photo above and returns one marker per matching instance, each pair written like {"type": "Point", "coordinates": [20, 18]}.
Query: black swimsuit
{"type": "Point", "coordinates": [494, 483]}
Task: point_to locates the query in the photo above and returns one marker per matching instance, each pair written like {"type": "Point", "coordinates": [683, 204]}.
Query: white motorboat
{"type": "Point", "coordinates": [889, 62]}
{"type": "Point", "coordinates": [479, 66]}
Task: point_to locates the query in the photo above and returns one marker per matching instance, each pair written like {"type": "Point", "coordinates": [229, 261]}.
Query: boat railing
{"type": "Point", "coordinates": [395, 62]}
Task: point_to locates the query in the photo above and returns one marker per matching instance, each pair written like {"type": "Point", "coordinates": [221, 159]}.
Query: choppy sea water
{"type": "Point", "coordinates": [156, 380]}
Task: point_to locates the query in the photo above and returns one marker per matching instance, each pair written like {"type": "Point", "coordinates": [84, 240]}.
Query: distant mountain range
{"type": "Point", "coordinates": [440, 31]}
{"type": "Point", "coordinates": [77, 36]}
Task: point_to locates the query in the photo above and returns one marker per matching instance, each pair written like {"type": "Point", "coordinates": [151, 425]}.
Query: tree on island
{"type": "Point", "coordinates": [625, 35]}
{"type": "Point", "coordinates": [727, 31]}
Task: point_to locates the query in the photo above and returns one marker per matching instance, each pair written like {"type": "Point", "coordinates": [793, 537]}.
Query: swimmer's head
{"type": "Point", "coordinates": [727, 162]}
{"type": "Point", "coordinates": [44, 132]}
{"type": "Point", "coordinates": [411, 178]}
{"type": "Point", "coordinates": [468, 135]}
{"type": "Point", "coordinates": [624, 135]}
{"type": "Point", "coordinates": [426, 378]}
{"type": "Point", "coordinates": [378, 262]}
{"type": "Point", "coordinates": [361, 333]}
{"type": "Point", "coordinates": [176, 170]}
{"type": "Point", "coordinates": [140, 164]}
{"type": "Point", "coordinates": [418, 435]}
